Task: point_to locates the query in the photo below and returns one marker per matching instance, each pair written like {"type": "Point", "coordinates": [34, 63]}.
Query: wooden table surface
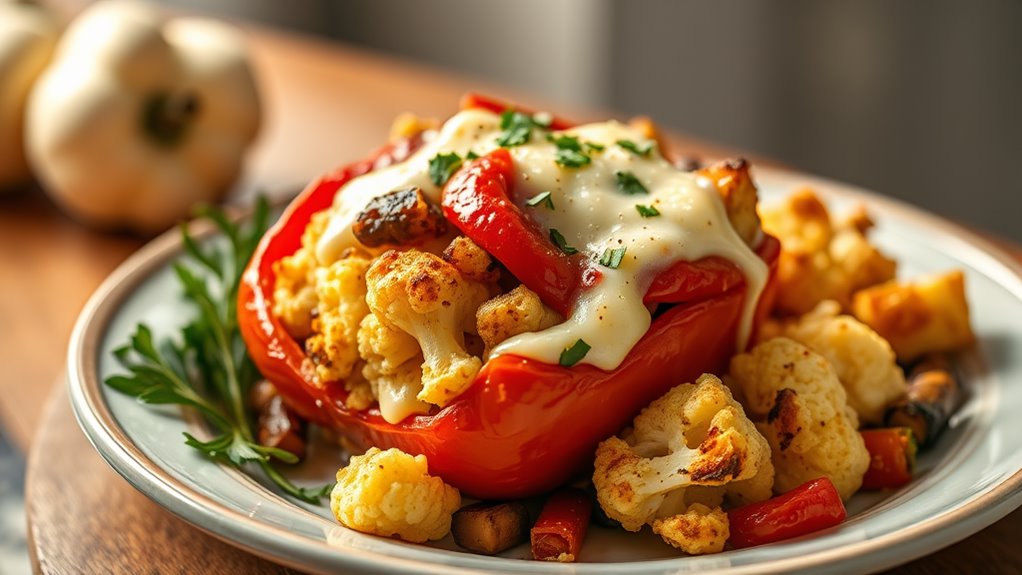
{"type": "Point", "coordinates": [324, 104]}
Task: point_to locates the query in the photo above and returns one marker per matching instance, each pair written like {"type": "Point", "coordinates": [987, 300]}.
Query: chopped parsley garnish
{"type": "Point", "coordinates": [471, 155]}
{"type": "Point", "coordinates": [642, 149]}
{"type": "Point", "coordinates": [517, 127]}
{"type": "Point", "coordinates": [574, 354]}
{"type": "Point", "coordinates": [569, 152]}
{"type": "Point", "coordinates": [611, 258]}
{"type": "Point", "coordinates": [443, 166]}
{"type": "Point", "coordinates": [541, 198]}
{"type": "Point", "coordinates": [561, 243]}
{"type": "Point", "coordinates": [593, 146]}
{"type": "Point", "coordinates": [647, 211]}
{"type": "Point", "coordinates": [629, 184]}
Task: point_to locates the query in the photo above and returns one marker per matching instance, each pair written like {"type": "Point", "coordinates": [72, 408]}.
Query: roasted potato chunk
{"type": "Point", "coordinates": [490, 527]}
{"type": "Point", "coordinates": [926, 316]}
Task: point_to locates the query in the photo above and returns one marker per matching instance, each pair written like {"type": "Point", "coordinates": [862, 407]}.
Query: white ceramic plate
{"type": "Point", "coordinates": [970, 479]}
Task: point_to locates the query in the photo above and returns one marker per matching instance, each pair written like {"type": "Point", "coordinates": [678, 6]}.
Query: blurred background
{"type": "Point", "coordinates": [918, 99]}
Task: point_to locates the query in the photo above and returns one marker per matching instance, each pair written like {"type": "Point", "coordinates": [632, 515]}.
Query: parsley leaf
{"type": "Point", "coordinates": [443, 166]}
{"type": "Point", "coordinates": [574, 354]}
{"type": "Point", "coordinates": [471, 155]}
{"type": "Point", "coordinates": [517, 128]}
{"type": "Point", "coordinates": [541, 198]}
{"type": "Point", "coordinates": [642, 149]}
{"type": "Point", "coordinates": [561, 243]}
{"type": "Point", "coordinates": [569, 151]}
{"type": "Point", "coordinates": [647, 211]}
{"type": "Point", "coordinates": [206, 367]}
{"type": "Point", "coordinates": [594, 147]}
{"type": "Point", "coordinates": [611, 258]}
{"type": "Point", "coordinates": [629, 184]}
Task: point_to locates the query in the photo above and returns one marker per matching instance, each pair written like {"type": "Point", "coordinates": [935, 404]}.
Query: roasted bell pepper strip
{"type": "Point", "coordinates": [892, 457]}
{"type": "Point", "coordinates": [477, 200]}
{"type": "Point", "coordinates": [496, 440]}
{"type": "Point", "coordinates": [561, 527]}
{"type": "Point", "coordinates": [810, 507]}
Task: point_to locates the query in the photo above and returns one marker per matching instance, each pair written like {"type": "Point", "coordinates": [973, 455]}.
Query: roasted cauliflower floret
{"type": "Point", "coordinates": [517, 311]}
{"type": "Point", "coordinates": [471, 260]}
{"type": "Point", "coordinates": [424, 296]}
{"type": "Point", "coordinates": [294, 290]}
{"type": "Point", "coordinates": [341, 292]}
{"type": "Point", "coordinates": [393, 368]}
{"type": "Point", "coordinates": [687, 451]}
{"type": "Point", "coordinates": [391, 493]}
{"type": "Point", "coordinates": [925, 316]}
{"type": "Point", "coordinates": [739, 193]}
{"type": "Point", "coordinates": [862, 360]}
{"type": "Point", "coordinates": [801, 408]}
{"type": "Point", "coordinates": [819, 259]}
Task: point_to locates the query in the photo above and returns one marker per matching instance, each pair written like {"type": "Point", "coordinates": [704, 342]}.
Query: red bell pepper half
{"type": "Point", "coordinates": [523, 427]}
{"type": "Point", "coordinates": [810, 507]}
{"type": "Point", "coordinates": [892, 457]}
{"type": "Point", "coordinates": [561, 527]}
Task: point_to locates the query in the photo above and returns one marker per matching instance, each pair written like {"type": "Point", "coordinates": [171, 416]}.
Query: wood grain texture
{"type": "Point", "coordinates": [324, 104]}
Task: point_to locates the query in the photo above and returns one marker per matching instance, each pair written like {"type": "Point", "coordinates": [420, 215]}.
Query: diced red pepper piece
{"type": "Point", "coordinates": [892, 457]}
{"type": "Point", "coordinates": [561, 527]}
{"type": "Point", "coordinates": [810, 507]}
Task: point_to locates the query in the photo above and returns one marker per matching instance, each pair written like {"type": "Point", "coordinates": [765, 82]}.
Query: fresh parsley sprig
{"type": "Point", "coordinates": [207, 367]}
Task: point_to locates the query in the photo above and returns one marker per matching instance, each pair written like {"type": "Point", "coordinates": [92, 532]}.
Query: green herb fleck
{"type": "Point", "coordinates": [569, 151]}
{"type": "Point", "coordinates": [206, 367]}
{"type": "Point", "coordinates": [541, 198]}
{"type": "Point", "coordinates": [594, 147]}
{"type": "Point", "coordinates": [471, 155]}
{"type": "Point", "coordinates": [574, 354]}
{"type": "Point", "coordinates": [629, 184]}
{"type": "Point", "coordinates": [611, 258]}
{"type": "Point", "coordinates": [561, 243]}
{"type": "Point", "coordinates": [647, 211]}
{"type": "Point", "coordinates": [642, 149]}
{"type": "Point", "coordinates": [517, 127]}
{"type": "Point", "coordinates": [443, 166]}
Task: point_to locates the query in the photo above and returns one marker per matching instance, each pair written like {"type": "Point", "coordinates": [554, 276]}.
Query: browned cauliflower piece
{"type": "Point", "coordinates": [739, 193]}
{"type": "Point", "coordinates": [391, 493]}
{"type": "Point", "coordinates": [429, 299]}
{"type": "Point", "coordinates": [471, 260]}
{"type": "Point", "coordinates": [862, 360]}
{"type": "Point", "coordinates": [686, 452]}
{"type": "Point", "coordinates": [925, 316]}
{"type": "Point", "coordinates": [801, 408]}
{"type": "Point", "coordinates": [340, 291]}
{"type": "Point", "coordinates": [819, 259]}
{"type": "Point", "coordinates": [517, 311]}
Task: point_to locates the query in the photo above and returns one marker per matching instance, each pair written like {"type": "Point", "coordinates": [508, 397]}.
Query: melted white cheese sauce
{"type": "Point", "coordinates": [593, 214]}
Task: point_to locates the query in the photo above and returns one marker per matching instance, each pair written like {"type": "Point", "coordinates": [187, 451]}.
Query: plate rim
{"type": "Point", "coordinates": [278, 545]}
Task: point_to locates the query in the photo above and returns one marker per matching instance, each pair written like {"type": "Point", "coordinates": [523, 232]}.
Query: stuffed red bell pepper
{"type": "Point", "coordinates": [504, 292]}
